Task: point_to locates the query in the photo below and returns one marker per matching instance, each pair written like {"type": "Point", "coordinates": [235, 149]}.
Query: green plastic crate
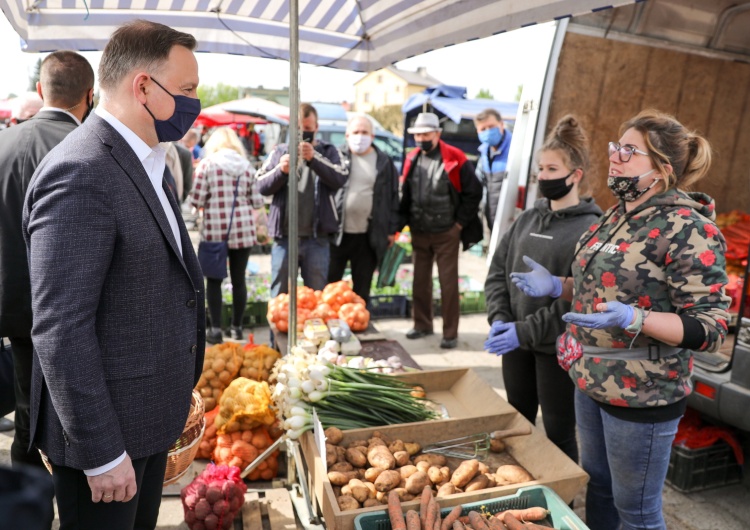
{"type": "Point", "coordinates": [473, 302]}
{"type": "Point", "coordinates": [255, 315]}
{"type": "Point", "coordinates": [561, 516]}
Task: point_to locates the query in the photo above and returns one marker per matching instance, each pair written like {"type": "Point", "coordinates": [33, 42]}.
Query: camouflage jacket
{"type": "Point", "coordinates": [666, 255]}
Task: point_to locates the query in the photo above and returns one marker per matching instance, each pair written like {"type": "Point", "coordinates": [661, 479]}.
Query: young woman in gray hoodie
{"type": "Point", "coordinates": [524, 329]}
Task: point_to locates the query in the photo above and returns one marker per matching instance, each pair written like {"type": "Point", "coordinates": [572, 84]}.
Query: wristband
{"type": "Point", "coordinates": [637, 324]}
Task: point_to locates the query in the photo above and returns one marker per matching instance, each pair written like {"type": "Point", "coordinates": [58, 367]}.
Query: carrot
{"type": "Point", "coordinates": [451, 517]}
{"type": "Point", "coordinates": [535, 513]}
{"type": "Point", "coordinates": [394, 512]}
{"type": "Point", "coordinates": [432, 509]}
{"type": "Point", "coordinates": [412, 521]}
{"type": "Point", "coordinates": [477, 521]}
{"type": "Point", "coordinates": [424, 505]}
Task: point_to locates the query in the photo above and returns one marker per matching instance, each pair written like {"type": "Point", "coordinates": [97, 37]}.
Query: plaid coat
{"type": "Point", "coordinates": [213, 190]}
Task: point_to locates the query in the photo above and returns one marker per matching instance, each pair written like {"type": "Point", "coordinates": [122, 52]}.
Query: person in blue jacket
{"type": "Point", "coordinates": [493, 158]}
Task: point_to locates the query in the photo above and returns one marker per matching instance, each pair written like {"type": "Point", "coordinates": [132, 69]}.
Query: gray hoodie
{"type": "Point", "coordinates": [549, 238]}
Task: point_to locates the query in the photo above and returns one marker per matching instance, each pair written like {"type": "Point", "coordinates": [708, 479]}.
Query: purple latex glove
{"type": "Point", "coordinates": [505, 341]}
{"type": "Point", "coordinates": [538, 282]}
{"type": "Point", "coordinates": [609, 315]}
{"type": "Point", "coordinates": [496, 328]}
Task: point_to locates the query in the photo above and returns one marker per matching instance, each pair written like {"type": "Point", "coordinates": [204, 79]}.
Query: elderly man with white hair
{"type": "Point", "coordinates": [367, 205]}
{"type": "Point", "coordinates": [25, 107]}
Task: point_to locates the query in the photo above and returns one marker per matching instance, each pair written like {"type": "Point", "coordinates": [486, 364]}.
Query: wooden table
{"type": "Point", "coordinates": [374, 345]}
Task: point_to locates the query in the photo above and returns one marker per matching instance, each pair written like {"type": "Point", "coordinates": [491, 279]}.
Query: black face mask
{"type": "Point", "coordinates": [425, 145]}
{"type": "Point", "coordinates": [88, 110]}
{"type": "Point", "coordinates": [308, 136]}
{"type": "Point", "coordinates": [554, 189]}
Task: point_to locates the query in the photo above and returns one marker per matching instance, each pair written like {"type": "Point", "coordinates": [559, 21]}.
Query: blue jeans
{"type": "Point", "coordinates": [314, 257]}
{"type": "Point", "coordinates": [627, 463]}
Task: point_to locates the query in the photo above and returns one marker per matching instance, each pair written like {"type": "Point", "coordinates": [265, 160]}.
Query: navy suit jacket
{"type": "Point", "coordinates": [119, 314]}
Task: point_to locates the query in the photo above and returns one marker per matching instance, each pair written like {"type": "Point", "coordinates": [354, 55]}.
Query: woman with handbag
{"type": "Point", "coordinates": [224, 186]}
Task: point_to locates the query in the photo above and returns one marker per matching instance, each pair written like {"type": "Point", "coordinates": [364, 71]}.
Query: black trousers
{"type": "Point", "coordinates": [534, 379]}
{"type": "Point", "coordinates": [237, 263]}
{"type": "Point", "coordinates": [78, 512]}
{"type": "Point", "coordinates": [354, 248]}
{"type": "Point", "coordinates": [23, 352]}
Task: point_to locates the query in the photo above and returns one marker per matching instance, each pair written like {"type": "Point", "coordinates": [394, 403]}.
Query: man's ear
{"type": "Point", "coordinates": [39, 90]}
{"type": "Point", "coordinates": [141, 86]}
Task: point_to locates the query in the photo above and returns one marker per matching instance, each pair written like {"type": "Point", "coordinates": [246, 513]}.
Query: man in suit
{"type": "Point", "coordinates": [66, 85]}
{"type": "Point", "coordinates": [117, 291]}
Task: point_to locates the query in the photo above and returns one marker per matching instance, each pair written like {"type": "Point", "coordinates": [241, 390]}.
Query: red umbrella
{"type": "Point", "coordinates": [216, 116]}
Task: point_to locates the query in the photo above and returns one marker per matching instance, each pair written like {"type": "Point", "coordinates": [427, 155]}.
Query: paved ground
{"type": "Point", "coordinates": [723, 508]}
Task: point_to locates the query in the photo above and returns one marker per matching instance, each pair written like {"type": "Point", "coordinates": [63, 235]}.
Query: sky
{"type": "Point", "coordinates": [484, 64]}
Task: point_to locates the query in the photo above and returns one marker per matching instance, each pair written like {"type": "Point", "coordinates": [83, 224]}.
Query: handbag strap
{"type": "Point", "coordinates": [234, 203]}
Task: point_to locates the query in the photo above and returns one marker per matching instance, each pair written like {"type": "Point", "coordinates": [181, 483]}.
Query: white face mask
{"type": "Point", "coordinates": [359, 143]}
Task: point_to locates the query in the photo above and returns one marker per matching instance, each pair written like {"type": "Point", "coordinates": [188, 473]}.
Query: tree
{"type": "Point", "coordinates": [34, 78]}
{"type": "Point", "coordinates": [484, 93]}
{"type": "Point", "coordinates": [213, 95]}
{"type": "Point", "coordinates": [519, 92]}
{"type": "Point", "coordinates": [390, 117]}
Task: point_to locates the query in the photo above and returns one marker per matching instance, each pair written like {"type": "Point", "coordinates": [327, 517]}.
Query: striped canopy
{"type": "Point", "coordinates": [360, 35]}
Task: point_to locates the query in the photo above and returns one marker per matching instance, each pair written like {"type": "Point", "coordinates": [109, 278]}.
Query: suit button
{"type": "Point", "coordinates": [193, 349]}
{"type": "Point", "coordinates": [191, 303]}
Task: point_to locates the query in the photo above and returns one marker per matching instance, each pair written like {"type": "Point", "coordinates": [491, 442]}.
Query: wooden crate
{"type": "Point", "coordinates": [548, 464]}
{"type": "Point", "coordinates": [274, 511]}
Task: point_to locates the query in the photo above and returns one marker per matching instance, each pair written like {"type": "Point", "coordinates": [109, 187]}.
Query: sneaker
{"type": "Point", "coordinates": [236, 333]}
{"type": "Point", "coordinates": [214, 336]}
{"type": "Point", "coordinates": [418, 333]}
{"type": "Point", "coordinates": [448, 344]}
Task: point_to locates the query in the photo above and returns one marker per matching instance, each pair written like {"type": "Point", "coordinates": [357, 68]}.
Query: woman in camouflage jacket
{"type": "Point", "coordinates": [647, 289]}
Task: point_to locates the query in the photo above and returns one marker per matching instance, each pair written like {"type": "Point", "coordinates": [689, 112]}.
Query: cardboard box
{"type": "Point", "coordinates": [546, 463]}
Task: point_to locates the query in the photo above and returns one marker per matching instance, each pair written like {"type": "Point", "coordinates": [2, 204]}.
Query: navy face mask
{"type": "Point", "coordinates": [186, 110]}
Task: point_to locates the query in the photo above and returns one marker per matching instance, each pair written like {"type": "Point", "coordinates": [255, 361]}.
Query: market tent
{"type": "Point", "coordinates": [361, 35]}
{"type": "Point", "coordinates": [247, 110]}
{"type": "Point", "coordinates": [216, 116]}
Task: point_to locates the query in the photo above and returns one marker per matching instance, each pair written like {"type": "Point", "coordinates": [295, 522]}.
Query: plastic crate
{"type": "Point", "coordinates": [255, 315]}
{"type": "Point", "coordinates": [473, 302]}
{"type": "Point", "coordinates": [700, 469]}
{"type": "Point", "coordinates": [387, 306]}
{"type": "Point", "coordinates": [561, 516]}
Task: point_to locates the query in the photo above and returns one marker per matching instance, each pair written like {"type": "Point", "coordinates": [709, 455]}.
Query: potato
{"type": "Point", "coordinates": [333, 435]}
{"type": "Point", "coordinates": [336, 491]}
{"type": "Point", "coordinates": [361, 448]}
{"type": "Point", "coordinates": [446, 489]}
{"type": "Point", "coordinates": [387, 480]}
{"type": "Point", "coordinates": [416, 483]}
{"type": "Point", "coordinates": [511, 474]}
{"type": "Point", "coordinates": [497, 446]}
{"type": "Point", "coordinates": [330, 455]}
{"type": "Point", "coordinates": [403, 495]}
{"type": "Point", "coordinates": [407, 471]}
{"type": "Point", "coordinates": [432, 459]}
{"type": "Point", "coordinates": [491, 483]}
{"type": "Point", "coordinates": [423, 466]}
{"type": "Point", "coordinates": [346, 490]}
{"type": "Point", "coordinates": [371, 503]}
{"type": "Point", "coordinates": [466, 471]}
{"type": "Point", "coordinates": [371, 474]}
{"type": "Point", "coordinates": [412, 448]}
{"type": "Point", "coordinates": [396, 446]}
{"type": "Point", "coordinates": [483, 468]}
{"type": "Point", "coordinates": [376, 441]}
{"type": "Point", "coordinates": [371, 488]}
{"type": "Point", "coordinates": [401, 457]}
{"type": "Point", "coordinates": [437, 476]}
{"type": "Point", "coordinates": [355, 443]}
{"type": "Point", "coordinates": [340, 454]}
{"type": "Point", "coordinates": [341, 466]}
{"type": "Point", "coordinates": [477, 483]}
{"type": "Point", "coordinates": [380, 456]}
{"type": "Point", "coordinates": [347, 502]}
{"type": "Point", "coordinates": [360, 471]}
{"type": "Point", "coordinates": [338, 478]}
{"type": "Point", "coordinates": [355, 457]}
{"type": "Point", "coordinates": [359, 490]}
{"type": "Point", "coordinates": [382, 436]}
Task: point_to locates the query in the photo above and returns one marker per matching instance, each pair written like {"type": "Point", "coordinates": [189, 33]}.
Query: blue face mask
{"type": "Point", "coordinates": [490, 136]}
{"type": "Point", "coordinates": [186, 110]}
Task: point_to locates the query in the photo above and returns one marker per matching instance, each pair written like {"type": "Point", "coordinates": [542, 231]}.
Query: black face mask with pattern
{"type": "Point", "coordinates": [626, 188]}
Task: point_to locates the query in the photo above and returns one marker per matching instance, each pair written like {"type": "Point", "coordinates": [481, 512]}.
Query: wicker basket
{"type": "Point", "coordinates": [183, 451]}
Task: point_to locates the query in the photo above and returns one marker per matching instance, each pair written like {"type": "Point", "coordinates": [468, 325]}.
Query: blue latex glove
{"type": "Point", "coordinates": [614, 314]}
{"type": "Point", "coordinates": [496, 328]}
{"type": "Point", "coordinates": [505, 341]}
{"type": "Point", "coordinates": [538, 282]}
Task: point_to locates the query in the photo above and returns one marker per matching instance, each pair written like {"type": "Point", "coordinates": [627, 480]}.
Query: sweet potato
{"type": "Point", "coordinates": [417, 482]}
{"type": "Point", "coordinates": [371, 474]}
{"type": "Point", "coordinates": [355, 457]}
{"type": "Point", "coordinates": [338, 478]}
{"type": "Point", "coordinates": [412, 448]}
{"type": "Point", "coordinates": [466, 471]}
{"type": "Point", "coordinates": [387, 480]}
{"type": "Point", "coordinates": [511, 474]}
{"type": "Point", "coordinates": [401, 457]}
{"type": "Point", "coordinates": [343, 467]}
{"type": "Point", "coordinates": [477, 483]}
{"type": "Point", "coordinates": [333, 435]}
{"type": "Point", "coordinates": [432, 459]}
{"type": "Point", "coordinates": [446, 489]}
{"type": "Point", "coordinates": [347, 502]}
{"type": "Point", "coordinates": [380, 456]}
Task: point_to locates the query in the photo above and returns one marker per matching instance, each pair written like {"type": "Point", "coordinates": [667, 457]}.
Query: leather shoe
{"type": "Point", "coordinates": [418, 333]}
{"type": "Point", "coordinates": [214, 336]}
{"type": "Point", "coordinates": [236, 333]}
{"type": "Point", "coordinates": [448, 344]}
{"type": "Point", "coordinates": [6, 425]}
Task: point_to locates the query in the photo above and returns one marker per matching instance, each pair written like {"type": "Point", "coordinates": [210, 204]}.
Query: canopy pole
{"type": "Point", "coordinates": [292, 188]}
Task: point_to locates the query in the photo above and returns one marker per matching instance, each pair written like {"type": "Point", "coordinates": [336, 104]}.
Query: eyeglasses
{"type": "Point", "coordinates": [624, 152]}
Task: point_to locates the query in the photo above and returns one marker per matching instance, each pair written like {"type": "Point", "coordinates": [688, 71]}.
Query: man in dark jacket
{"type": "Point", "coordinates": [320, 175]}
{"type": "Point", "coordinates": [368, 206]}
{"type": "Point", "coordinates": [66, 84]}
{"type": "Point", "coordinates": [439, 201]}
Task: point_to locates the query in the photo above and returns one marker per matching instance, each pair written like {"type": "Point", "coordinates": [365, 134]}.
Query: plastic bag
{"type": "Point", "coordinates": [214, 498]}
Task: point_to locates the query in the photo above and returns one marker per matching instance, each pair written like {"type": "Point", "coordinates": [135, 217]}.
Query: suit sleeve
{"type": "Point", "coordinates": [329, 168]}
{"type": "Point", "coordinates": [470, 196]}
{"type": "Point", "coordinates": [70, 233]}
{"type": "Point", "coordinates": [271, 179]}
